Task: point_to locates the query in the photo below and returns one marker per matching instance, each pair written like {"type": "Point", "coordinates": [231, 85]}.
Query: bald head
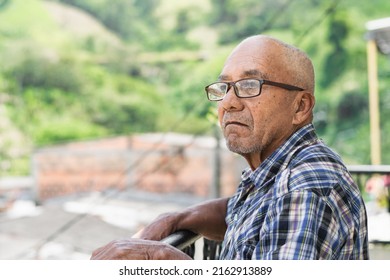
{"type": "Point", "coordinates": [285, 63]}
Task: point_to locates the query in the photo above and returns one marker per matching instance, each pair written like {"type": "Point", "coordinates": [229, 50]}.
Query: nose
{"type": "Point", "coordinates": [231, 102]}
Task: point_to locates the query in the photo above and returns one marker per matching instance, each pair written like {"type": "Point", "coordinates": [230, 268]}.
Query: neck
{"type": "Point", "coordinates": [254, 159]}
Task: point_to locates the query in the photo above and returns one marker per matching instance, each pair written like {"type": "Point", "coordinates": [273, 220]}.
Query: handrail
{"type": "Point", "coordinates": [369, 169]}
{"type": "Point", "coordinates": [181, 239]}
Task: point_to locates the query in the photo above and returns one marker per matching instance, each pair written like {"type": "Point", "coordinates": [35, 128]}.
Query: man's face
{"type": "Point", "coordinates": [255, 127]}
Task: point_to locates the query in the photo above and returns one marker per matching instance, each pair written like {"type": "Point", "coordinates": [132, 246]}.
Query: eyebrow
{"type": "Point", "coordinates": [246, 74]}
{"type": "Point", "coordinates": [255, 73]}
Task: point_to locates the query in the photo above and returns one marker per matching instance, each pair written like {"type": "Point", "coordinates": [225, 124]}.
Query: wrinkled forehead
{"type": "Point", "coordinates": [252, 60]}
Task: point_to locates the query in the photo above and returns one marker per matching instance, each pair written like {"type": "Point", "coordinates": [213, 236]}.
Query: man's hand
{"type": "Point", "coordinates": [138, 249]}
{"type": "Point", "coordinates": [207, 219]}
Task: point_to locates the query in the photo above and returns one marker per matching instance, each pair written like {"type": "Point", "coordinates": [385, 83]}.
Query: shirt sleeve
{"type": "Point", "coordinates": [300, 225]}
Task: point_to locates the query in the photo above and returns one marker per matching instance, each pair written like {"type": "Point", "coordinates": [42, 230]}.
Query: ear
{"type": "Point", "coordinates": [304, 108]}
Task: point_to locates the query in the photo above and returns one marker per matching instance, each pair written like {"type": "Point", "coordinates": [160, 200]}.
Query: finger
{"type": "Point", "coordinates": [97, 252]}
{"type": "Point", "coordinates": [137, 249]}
{"type": "Point", "coordinates": [125, 249]}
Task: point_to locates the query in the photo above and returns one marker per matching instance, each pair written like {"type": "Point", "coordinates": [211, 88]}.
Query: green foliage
{"type": "Point", "coordinates": [119, 15]}
{"type": "Point", "coordinates": [351, 103]}
{"type": "Point", "coordinates": [65, 130]}
{"type": "Point", "coordinates": [135, 22]}
{"type": "Point", "coordinates": [3, 4]}
{"type": "Point", "coordinates": [42, 73]}
{"type": "Point", "coordinates": [238, 19]}
{"type": "Point", "coordinates": [336, 61]}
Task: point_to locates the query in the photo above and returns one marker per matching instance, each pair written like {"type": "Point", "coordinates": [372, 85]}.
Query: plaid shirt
{"type": "Point", "coordinates": [300, 203]}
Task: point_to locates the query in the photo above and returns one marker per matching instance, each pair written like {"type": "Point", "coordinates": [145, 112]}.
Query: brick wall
{"type": "Point", "coordinates": [150, 162]}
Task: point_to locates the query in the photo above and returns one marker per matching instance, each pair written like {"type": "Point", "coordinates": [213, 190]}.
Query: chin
{"type": "Point", "coordinates": [238, 148]}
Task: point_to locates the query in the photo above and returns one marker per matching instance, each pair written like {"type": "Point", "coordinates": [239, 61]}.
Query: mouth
{"type": "Point", "coordinates": [226, 124]}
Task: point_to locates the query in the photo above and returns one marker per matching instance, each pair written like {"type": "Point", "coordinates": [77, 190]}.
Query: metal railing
{"type": "Point", "coordinates": [185, 240]}
{"type": "Point", "coordinates": [363, 172]}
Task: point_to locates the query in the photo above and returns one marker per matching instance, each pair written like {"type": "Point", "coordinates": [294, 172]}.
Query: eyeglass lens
{"type": "Point", "coordinates": [244, 88]}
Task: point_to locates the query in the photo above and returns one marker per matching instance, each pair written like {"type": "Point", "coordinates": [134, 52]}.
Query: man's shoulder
{"type": "Point", "coordinates": [317, 167]}
{"type": "Point", "coordinates": [317, 153]}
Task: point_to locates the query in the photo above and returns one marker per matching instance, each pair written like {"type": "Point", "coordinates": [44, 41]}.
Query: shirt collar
{"type": "Point", "coordinates": [281, 156]}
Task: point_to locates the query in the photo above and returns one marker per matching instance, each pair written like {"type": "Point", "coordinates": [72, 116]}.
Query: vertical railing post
{"type": "Point", "coordinates": [216, 179]}
{"type": "Point", "coordinates": [374, 102]}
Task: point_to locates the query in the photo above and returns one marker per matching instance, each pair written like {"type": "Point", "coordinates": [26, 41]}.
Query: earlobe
{"type": "Point", "coordinates": [304, 109]}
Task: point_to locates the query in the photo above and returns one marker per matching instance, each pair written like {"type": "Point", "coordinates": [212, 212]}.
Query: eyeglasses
{"type": "Point", "coordinates": [245, 88]}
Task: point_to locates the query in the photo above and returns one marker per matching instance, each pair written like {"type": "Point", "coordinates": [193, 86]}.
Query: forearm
{"type": "Point", "coordinates": [207, 219]}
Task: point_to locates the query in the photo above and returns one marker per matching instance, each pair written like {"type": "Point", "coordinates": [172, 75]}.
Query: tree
{"type": "Point", "coordinates": [336, 61]}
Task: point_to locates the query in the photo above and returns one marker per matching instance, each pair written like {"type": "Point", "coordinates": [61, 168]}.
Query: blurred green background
{"type": "Point", "coordinates": [87, 69]}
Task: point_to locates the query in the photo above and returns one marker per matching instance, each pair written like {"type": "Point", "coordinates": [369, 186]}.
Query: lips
{"type": "Point", "coordinates": [236, 120]}
{"type": "Point", "coordinates": [226, 124]}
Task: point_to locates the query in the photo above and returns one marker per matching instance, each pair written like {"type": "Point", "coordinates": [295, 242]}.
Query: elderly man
{"type": "Point", "coordinates": [296, 200]}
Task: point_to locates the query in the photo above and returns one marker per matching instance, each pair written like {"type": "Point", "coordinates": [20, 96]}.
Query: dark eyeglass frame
{"type": "Point", "coordinates": [262, 82]}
